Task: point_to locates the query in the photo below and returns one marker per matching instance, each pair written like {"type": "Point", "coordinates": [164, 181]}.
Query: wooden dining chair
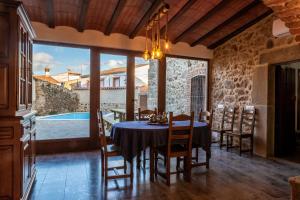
{"type": "Point", "coordinates": [227, 123]}
{"type": "Point", "coordinates": [217, 126]}
{"type": "Point", "coordinates": [109, 150]}
{"type": "Point", "coordinates": [246, 130]}
{"type": "Point", "coordinates": [204, 116]}
{"type": "Point", "coordinates": [179, 145]}
{"type": "Point", "coordinates": [144, 115]}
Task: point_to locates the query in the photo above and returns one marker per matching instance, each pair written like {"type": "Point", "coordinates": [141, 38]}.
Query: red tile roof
{"type": "Point", "coordinates": [46, 78]}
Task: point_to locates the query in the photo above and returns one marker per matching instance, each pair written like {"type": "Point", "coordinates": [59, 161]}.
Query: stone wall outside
{"type": "Point", "coordinates": [178, 83]}
{"type": "Point", "coordinates": [152, 84]}
{"type": "Point", "coordinates": [53, 99]}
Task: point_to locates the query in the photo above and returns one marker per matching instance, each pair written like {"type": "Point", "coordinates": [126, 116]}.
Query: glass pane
{"type": "Point", "coordinates": [61, 91]}
{"type": "Point", "coordinates": [145, 84]}
{"type": "Point", "coordinates": [113, 78]}
{"type": "Point", "coordinates": [186, 85]}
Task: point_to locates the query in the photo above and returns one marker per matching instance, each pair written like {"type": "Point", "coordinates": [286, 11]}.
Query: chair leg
{"type": "Point", "coordinates": [207, 157]}
{"type": "Point", "coordinates": [197, 154]}
{"type": "Point", "coordinates": [102, 164]}
{"type": "Point", "coordinates": [240, 145]}
{"type": "Point", "coordinates": [152, 163]}
{"type": "Point", "coordinates": [106, 171]}
{"type": "Point", "coordinates": [187, 168]}
{"type": "Point", "coordinates": [221, 140]}
{"type": "Point", "coordinates": [251, 138]}
{"type": "Point", "coordinates": [125, 166]}
{"type": "Point", "coordinates": [131, 172]}
{"type": "Point", "coordinates": [168, 171]}
{"type": "Point", "coordinates": [144, 159]}
{"type": "Point", "coordinates": [177, 163]}
{"type": "Point", "coordinates": [227, 142]}
{"type": "Point", "coordinates": [138, 160]}
{"type": "Point", "coordinates": [155, 160]}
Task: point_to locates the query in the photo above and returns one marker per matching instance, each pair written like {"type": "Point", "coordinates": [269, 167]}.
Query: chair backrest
{"type": "Point", "coordinates": [219, 117]}
{"type": "Point", "coordinates": [102, 137]}
{"type": "Point", "coordinates": [206, 116]}
{"type": "Point", "coordinates": [181, 133]}
{"type": "Point", "coordinates": [247, 120]}
{"type": "Point", "coordinates": [228, 118]}
{"type": "Point", "coordinates": [144, 115]}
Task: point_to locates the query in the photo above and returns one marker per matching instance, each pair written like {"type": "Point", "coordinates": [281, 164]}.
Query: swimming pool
{"type": "Point", "coordinates": [68, 116]}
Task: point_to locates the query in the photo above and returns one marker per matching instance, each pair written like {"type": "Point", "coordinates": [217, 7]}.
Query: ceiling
{"type": "Point", "coordinates": [206, 22]}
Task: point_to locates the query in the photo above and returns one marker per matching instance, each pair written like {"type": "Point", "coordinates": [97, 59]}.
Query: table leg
{"type": "Point", "coordinates": [138, 160]}
{"type": "Point", "coordinates": [151, 164]}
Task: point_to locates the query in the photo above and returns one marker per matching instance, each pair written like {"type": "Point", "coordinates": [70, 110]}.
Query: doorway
{"type": "Point", "coordinates": [287, 111]}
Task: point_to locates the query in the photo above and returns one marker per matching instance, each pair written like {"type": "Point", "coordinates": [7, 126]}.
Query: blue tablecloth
{"type": "Point", "coordinates": [134, 136]}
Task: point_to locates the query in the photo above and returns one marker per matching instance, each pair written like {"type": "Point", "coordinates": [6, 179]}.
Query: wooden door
{"type": "Point", "coordinates": [285, 137]}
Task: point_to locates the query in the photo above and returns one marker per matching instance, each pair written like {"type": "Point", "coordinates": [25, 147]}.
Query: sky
{"type": "Point", "coordinates": [59, 59]}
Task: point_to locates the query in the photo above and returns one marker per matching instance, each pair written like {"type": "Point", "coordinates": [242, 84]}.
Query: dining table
{"type": "Point", "coordinates": [134, 136]}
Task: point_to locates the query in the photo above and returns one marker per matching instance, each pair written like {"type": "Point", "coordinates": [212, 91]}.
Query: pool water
{"type": "Point", "coordinates": [69, 116]}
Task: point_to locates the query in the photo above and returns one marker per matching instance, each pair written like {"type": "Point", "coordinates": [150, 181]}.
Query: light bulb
{"type": "Point", "coordinates": [153, 54]}
{"type": "Point", "coordinates": [146, 55]}
{"type": "Point", "coordinates": [158, 53]}
{"type": "Point", "coordinates": [167, 44]}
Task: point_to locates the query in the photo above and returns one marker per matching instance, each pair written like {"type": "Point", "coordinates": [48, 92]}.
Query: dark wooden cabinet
{"type": "Point", "coordinates": [17, 120]}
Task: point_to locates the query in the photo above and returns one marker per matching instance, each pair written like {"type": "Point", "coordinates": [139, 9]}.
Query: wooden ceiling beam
{"type": "Point", "coordinates": [185, 8]}
{"type": "Point", "coordinates": [50, 13]}
{"type": "Point", "coordinates": [82, 15]}
{"type": "Point", "coordinates": [227, 22]}
{"type": "Point", "coordinates": [155, 5]}
{"type": "Point", "coordinates": [200, 21]}
{"type": "Point", "coordinates": [239, 30]}
{"type": "Point", "coordinates": [119, 7]}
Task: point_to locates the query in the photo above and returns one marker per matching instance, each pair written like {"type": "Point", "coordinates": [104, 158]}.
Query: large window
{"type": "Point", "coordinates": [145, 84]}
{"type": "Point", "coordinates": [113, 80]}
{"type": "Point", "coordinates": [61, 89]}
{"type": "Point", "coordinates": [186, 85]}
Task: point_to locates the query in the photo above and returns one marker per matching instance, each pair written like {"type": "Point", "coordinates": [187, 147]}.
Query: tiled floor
{"type": "Point", "coordinates": [77, 176]}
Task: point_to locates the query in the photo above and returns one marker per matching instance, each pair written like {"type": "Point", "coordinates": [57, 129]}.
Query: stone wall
{"type": "Point", "coordinates": [152, 84]}
{"type": "Point", "coordinates": [53, 99]}
{"type": "Point", "coordinates": [178, 83]}
{"type": "Point", "coordinates": [234, 63]}
{"type": "Point", "coordinates": [239, 78]}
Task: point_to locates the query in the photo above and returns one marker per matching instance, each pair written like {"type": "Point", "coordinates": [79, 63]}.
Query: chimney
{"type": "Point", "coordinates": [47, 71]}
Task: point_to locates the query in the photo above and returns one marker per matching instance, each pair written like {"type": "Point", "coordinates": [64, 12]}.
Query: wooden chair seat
{"type": "Point", "coordinates": [238, 133]}
{"type": "Point", "coordinates": [112, 150]}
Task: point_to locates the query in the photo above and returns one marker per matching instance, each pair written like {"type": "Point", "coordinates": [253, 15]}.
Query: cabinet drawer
{"type": "Point", "coordinates": [6, 133]}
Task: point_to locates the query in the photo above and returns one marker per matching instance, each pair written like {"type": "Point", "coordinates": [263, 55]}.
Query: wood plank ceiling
{"type": "Point", "coordinates": [206, 22]}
